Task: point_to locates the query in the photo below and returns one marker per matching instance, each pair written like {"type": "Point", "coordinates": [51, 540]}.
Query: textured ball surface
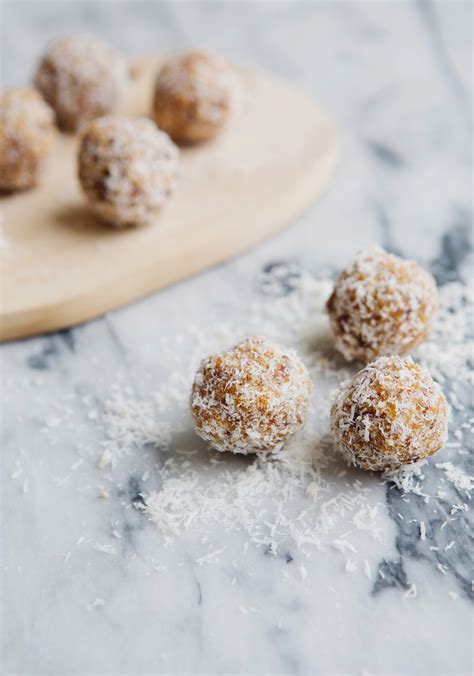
{"type": "Point", "coordinates": [390, 414]}
{"type": "Point", "coordinates": [251, 398]}
{"type": "Point", "coordinates": [26, 136]}
{"type": "Point", "coordinates": [127, 169]}
{"type": "Point", "coordinates": [192, 97]}
{"type": "Point", "coordinates": [81, 77]}
{"type": "Point", "coordinates": [381, 305]}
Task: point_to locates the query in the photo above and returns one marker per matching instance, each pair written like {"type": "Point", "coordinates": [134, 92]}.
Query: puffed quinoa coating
{"type": "Point", "coordinates": [251, 398]}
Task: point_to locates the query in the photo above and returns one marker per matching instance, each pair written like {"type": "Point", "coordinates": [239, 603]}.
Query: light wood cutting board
{"type": "Point", "coordinates": [62, 266]}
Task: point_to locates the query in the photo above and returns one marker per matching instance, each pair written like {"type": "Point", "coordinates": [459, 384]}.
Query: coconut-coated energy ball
{"type": "Point", "coordinates": [251, 398]}
{"type": "Point", "coordinates": [81, 77]}
{"type": "Point", "coordinates": [381, 305]}
{"type": "Point", "coordinates": [26, 136]}
{"type": "Point", "coordinates": [127, 169]}
{"type": "Point", "coordinates": [390, 414]}
{"type": "Point", "coordinates": [192, 97]}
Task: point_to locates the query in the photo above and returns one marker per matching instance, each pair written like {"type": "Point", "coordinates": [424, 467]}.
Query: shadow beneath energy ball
{"type": "Point", "coordinates": [80, 219]}
{"type": "Point", "coordinates": [337, 470]}
{"type": "Point", "coordinates": [10, 193]}
{"type": "Point", "coordinates": [188, 445]}
{"type": "Point", "coordinates": [323, 345]}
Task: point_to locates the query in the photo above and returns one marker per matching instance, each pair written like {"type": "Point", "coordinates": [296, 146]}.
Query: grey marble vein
{"type": "Point", "coordinates": [408, 512]}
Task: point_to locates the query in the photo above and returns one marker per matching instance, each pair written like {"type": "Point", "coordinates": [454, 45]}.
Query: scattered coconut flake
{"type": "Point", "coordinates": [454, 474]}
{"type": "Point", "coordinates": [212, 557]}
{"type": "Point", "coordinates": [97, 603]}
{"type": "Point", "coordinates": [303, 572]}
{"type": "Point", "coordinates": [408, 479]}
{"type": "Point", "coordinates": [351, 566]}
{"type": "Point", "coordinates": [245, 610]}
{"type": "Point", "coordinates": [411, 592]}
{"type": "Point", "coordinates": [105, 549]}
{"type": "Point", "coordinates": [299, 497]}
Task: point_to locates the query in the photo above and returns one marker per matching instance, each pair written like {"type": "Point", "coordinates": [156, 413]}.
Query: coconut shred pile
{"type": "Point", "coordinates": [303, 496]}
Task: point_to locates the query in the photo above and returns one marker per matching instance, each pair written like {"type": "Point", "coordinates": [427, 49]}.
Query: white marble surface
{"type": "Point", "coordinates": [396, 77]}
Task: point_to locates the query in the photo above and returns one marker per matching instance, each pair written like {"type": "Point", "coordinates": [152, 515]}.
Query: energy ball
{"type": "Point", "coordinates": [381, 305]}
{"type": "Point", "coordinates": [390, 414]}
{"type": "Point", "coordinates": [26, 136]}
{"type": "Point", "coordinates": [81, 77]}
{"type": "Point", "coordinates": [192, 95]}
{"type": "Point", "coordinates": [127, 169]}
{"type": "Point", "coordinates": [251, 398]}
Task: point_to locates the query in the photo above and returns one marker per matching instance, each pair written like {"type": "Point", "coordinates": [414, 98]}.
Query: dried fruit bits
{"type": "Point", "coordinates": [26, 136]}
{"type": "Point", "coordinates": [192, 97]}
{"type": "Point", "coordinates": [381, 305]}
{"type": "Point", "coordinates": [81, 77]}
{"type": "Point", "coordinates": [390, 414]}
{"type": "Point", "coordinates": [251, 398]}
{"type": "Point", "coordinates": [127, 169]}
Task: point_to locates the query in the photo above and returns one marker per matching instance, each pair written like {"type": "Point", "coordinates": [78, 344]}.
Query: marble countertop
{"type": "Point", "coordinates": [90, 585]}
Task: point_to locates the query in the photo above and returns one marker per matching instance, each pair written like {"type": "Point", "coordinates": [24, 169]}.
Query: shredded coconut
{"type": "Point", "coordinates": [250, 398]}
{"type": "Point", "coordinates": [127, 168]}
{"type": "Point", "coordinates": [300, 496]}
{"type": "Point", "coordinates": [26, 138]}
{"type": "Point", "coordinates": [192, 96]}
{"type": "Point", "coordinates": [391, 413]}
{"type": "Point", "coordinates": [460, 480]}
{"type": "Point", "coordinates": [381, 305]}
{"type": "Point", "coordinates": [81, 77]}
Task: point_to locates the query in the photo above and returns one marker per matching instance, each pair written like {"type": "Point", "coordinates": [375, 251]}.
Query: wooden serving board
{"type": "Point", "coordinates": [61, 265]}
